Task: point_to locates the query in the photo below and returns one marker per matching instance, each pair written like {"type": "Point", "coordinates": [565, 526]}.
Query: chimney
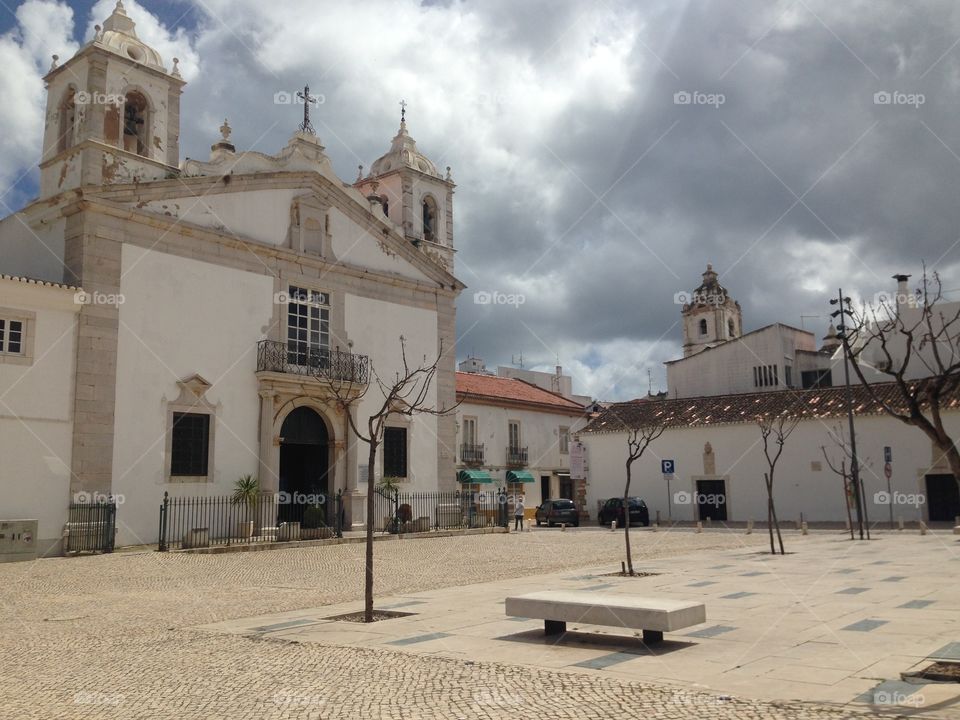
{"type": "Point", "coordinates": [903, 291]}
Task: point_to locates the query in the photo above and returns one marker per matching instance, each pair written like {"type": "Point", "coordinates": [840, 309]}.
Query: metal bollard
{"type": "Point", "coordinates": [656, 526]}
{"type": "Point", "coordinates": [749, 527]}
{"type": "Point", "coordinates": [923, 528]}
{"type": "Point", "coordinates": [804, 529]}
{"type": "Point", "coordinates": [699, 527]}
{"type": "Point", "coordinates": [900, 524]}
{"type": "Point", "coordinates": [613, 525]}
{"type": "Point", "coordinates": [563, 527]}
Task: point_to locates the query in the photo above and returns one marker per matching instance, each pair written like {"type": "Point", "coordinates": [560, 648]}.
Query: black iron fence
{"type": "Point", "coordinates": [197, 522]}
{"type": "Point", "coordinates": [91, 526]}
{"type": "Point", "coordinates": [407, 512]}
{"type": "Point", "coordinates": [315, 362]}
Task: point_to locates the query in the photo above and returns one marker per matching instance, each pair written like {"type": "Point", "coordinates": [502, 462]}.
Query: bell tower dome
{"type": "Point", "coordinates": [414, 195]}
{"type": "Point", "coordinates": [113, 112]}
{"type": "Point", "coordinates": [710, 316]}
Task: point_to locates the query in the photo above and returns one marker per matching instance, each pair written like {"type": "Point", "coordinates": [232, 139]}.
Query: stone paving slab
{"type": "Point", "coordinates": [799, 632]}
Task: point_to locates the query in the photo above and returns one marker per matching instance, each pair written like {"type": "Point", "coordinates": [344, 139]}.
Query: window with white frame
{"type": "Point", "coordinates": [12, 338]}
{"type": "Point", "coordinates": [564, 440]}
{"type": "Point", "coordinates": [308, 326]}
{"type": "Point", "coordinates": [469, 431]}
{"type": "Point", "coordinates": [514, 434]}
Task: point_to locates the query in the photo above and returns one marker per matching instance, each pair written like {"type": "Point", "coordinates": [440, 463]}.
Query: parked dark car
{"type": "Point", "coordinates": [613, 510]}
{"type": "Point", "coordinates": [555, 512]}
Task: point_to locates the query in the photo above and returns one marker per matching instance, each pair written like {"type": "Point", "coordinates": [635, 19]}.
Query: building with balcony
{"type": "Point", "coordinates": [221, 305]}
{"type": "Point", "coordinates": [515, 435]}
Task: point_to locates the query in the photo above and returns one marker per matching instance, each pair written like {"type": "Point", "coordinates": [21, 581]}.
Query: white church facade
{"type": "Point", "coordinates": [170, 326]}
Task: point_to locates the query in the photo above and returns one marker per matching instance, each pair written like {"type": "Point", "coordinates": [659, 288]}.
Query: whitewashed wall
{"type": "Point", "coordinates": [181, 317]}
{"type": "Point", "coordinates": [36, 412]}
{"type": "Point", "coordinates": [375, 326]}
{"type": "Point", "coordinates": [799, 488]}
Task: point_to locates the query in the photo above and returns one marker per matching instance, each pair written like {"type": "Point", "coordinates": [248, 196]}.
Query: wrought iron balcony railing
{"type": "Point", "coordinates": [517, 456]}
{"type": "Point", "coordinates": [273, 356]}
{"type": "Point", "coordinates": [471, 454]}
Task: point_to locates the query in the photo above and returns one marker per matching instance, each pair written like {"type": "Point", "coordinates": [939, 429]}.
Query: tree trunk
{"type": "Point", "coordinates": [776, 524]}
{"type": "Point", "coordinates": [766, 481]}
{"type": "Point", "coordinates": [626, 521]}
{"type": "Point", "coordinates": [368, 573]}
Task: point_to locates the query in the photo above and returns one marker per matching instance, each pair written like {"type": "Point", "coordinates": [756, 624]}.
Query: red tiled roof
{"type": "Point", "coordinates": [747, 407]}
{"type": "Point", "coordinates": [509, 391]}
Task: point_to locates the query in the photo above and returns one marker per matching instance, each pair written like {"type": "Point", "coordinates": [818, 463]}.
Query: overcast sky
{"type": "Point", "coordinates": [604, 152]}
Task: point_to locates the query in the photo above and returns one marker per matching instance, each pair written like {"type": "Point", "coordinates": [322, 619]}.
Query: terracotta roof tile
{"type": "Point", "coordinates": [725, 409]}
{"type": "Point", "coordinates": [510, 391]}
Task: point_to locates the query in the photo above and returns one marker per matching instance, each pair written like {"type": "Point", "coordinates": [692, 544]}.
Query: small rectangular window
{"type": "Point", "coordinates": [564, 440]}
{"type": "Point", "coordinates": [190, 448]}
{"type": "Point", "coordinates": [395, 452]}
{"type": "Point", "coordinates": [11, 336]}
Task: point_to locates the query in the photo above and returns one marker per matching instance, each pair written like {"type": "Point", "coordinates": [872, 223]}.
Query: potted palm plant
{"type": "Point", "coordinates": [246, 492]}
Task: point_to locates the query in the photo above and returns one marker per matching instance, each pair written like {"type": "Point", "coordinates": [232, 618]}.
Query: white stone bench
{"type": "Point", "coordinates": [654, 616]}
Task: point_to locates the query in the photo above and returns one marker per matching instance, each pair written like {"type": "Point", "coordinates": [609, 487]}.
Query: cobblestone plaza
{"type": "Point", "coordinates": [151, 635]}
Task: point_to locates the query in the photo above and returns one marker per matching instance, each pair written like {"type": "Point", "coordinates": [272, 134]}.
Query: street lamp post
{"type": "Point", "coordinates": [843, 312]}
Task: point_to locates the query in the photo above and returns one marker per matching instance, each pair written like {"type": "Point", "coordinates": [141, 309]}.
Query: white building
{"type": "Point", "coordinates": [517, 435]}
{"type": "Point", "coordinates": [715, 445]}
{"type": "Point", "coordinates": [221, 300]}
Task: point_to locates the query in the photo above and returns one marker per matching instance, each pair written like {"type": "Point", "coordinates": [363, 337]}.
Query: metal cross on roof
{"type": "Point", "coordinates": [307, 98]}
{"type": "Point", "coordinates": [403, 111]}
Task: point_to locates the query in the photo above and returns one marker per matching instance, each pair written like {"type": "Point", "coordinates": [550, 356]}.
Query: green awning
{"type": "Point", "coordinates": [519, 476]}
{"type": "Point", "coordinates": [474, 476]}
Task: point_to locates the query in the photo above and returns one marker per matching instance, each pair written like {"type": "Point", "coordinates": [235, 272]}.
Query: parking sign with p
{"type": "Point", "coordinates": [667, 467]}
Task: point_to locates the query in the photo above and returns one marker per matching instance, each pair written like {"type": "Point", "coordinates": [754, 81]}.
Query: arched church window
{"type": "Point", "coordinates": [429, 219]}
{"type": "Point", "coordinates": [386, 207]}
{"type": "Point", "coordinates": [135, 124]}
{"type": "Point", "coordinates": [703, 327]}
{"type": "Point", "coordinates": [731, 329]}
{"type": "Point", "coordinates": [68, 120]}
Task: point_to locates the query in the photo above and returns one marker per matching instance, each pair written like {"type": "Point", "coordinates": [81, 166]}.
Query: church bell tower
{"type": "Point", "coordinates": [113, 112]}
{"type": "Point", "coordinates": [710, 316]}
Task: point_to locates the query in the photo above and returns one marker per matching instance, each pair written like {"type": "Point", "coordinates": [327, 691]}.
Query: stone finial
{"type": "Point", "coordinates": [98, 33]}
{"type": "Point", "coordinates": [449, 177]}
{"type": "Point", "coordinates": [225, 130]}
{"type": "Point", "coordinates": [53, 65]}
{"type": "Point", "coordinates": [359, 172]}
{"type": "Point", "coordinates": [176, 68]}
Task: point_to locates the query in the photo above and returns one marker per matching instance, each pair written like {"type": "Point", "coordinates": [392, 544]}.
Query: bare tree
{"type": "Point", "coordinates": [842, 470]}
{"type": "Point", "coordinates": [406, 394]}
{"type": "Point", "coordinates": [638, 440]}
{"type": "Point", "coordinates": [915, 341]}
{"type": "Point", "coordinates": [774, 431]}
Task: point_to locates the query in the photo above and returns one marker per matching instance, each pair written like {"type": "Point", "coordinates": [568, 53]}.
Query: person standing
{"type": "Point", "coordinates": [518, 513]}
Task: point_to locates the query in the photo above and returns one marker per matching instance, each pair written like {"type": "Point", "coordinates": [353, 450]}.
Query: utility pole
{"type": "Point", "coordinates": [843, 312]}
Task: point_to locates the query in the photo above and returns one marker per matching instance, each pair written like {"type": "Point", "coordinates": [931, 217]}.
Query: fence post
{"type": "Point", "coordinates": [162, 540]}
